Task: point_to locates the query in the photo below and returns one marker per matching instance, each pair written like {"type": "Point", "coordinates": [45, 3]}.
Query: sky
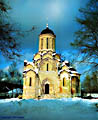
{"type": "Point", "coordinates": [61, 19]}
{"type": "Point", "coordinates": [60, 16]}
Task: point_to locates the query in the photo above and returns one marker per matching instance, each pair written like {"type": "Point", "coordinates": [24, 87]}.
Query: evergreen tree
{"type": "Point", "coordinates": [90, 83]}
{"type": "Point", "coordinates": [2, 74]}
{"type": "Point", "coordinates": [87, 84]}
{"type": "Point", "coordinates": [87, 36]}
{"type": "Point", "coordinates": [14, 75]}
{"type": "Point", "coordinates": [94, 78]}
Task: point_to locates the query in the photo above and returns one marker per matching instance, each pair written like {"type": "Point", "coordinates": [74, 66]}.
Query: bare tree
{"type": "Point", "coordinates": [9, 46]}
{"type": "Point", "coordinates": [87, 36]}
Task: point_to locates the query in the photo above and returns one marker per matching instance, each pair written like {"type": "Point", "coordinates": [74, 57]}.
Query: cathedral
{"type": "Point", "coordinates": [47, 76]}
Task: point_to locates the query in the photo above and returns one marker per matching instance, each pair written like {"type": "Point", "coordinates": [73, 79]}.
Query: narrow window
{"type": "Point", "coordinates": [30, 81]}
{"type": "Point", "coordinates": [25, 82]}
{"type": "Point", "coordinates": [42, 43]}
{"type": "Point", "coordinates": [47, 43]}
{"type": "Point", "coordinates": [47, 67]}
{"type": "Point", "coordinates": [63, 81]}
{"type": "Point", "coordinates": [52, 43]}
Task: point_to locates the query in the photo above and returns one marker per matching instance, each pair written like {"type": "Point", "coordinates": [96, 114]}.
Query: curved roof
{"type": "Point", "coordinates": [47, 31]}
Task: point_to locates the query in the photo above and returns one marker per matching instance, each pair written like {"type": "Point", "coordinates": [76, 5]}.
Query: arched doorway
{"type": "Point", "coordinates": [46, 88]}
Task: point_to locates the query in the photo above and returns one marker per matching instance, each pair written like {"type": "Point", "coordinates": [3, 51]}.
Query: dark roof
{"type": "Point", "coordinates": [72, 69]}
{"type": "Point", "coordinates": [47, 30]}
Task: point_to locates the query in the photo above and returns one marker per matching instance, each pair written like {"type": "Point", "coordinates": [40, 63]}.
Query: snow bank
{"type": "Point", "coordinates": [9, 100]}
{"type": "Point", "coordinates": [54, 109]}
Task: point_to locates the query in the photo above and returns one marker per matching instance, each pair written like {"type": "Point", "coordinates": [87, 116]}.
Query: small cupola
{"type": "Point", "coordinates": [47, 40]}
{"type": "Point", "coordinates": [47, 31]}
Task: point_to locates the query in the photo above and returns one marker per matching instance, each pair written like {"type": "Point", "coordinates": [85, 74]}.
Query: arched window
{"type": "Point", "coordinates": [47, 43]}
{"type": "Point", "coordinates": [47, 89]}
{"type": "Point", "coordinates": [64, 82]}
{"type": "Point", "coordinates": [42, 43]}
{"type": "Point", "coordinates": [30, 82]}
{"type": "Point", "coordinates": [47, 66]}
{"type": "Point", "coordinates": [25, 81]}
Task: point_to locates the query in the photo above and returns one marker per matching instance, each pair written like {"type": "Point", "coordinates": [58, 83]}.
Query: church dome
{"type": "Point", "coordinates": [47, 31]}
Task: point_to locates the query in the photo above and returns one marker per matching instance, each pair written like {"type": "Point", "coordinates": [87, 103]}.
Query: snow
{"type": "Point", "coordinates": [93, 94]}
{"type": "Point", "coordinates": [63, 70]}
{"type": "Point", "coordinates": [54, 53]}
{"type": "Point", "coordinates": [25, 61]}
{"type": "Point", "coordinates": [27, 70]}
{"type": "Point", "coordinates": [60, 71]}
{"type": "Point", "coordinates": [35, 70]}
{"type": "Point", "coordinates": [72, 75]}
{"type": "Point", "coordinates": [57, 59]}
{"type": "Point", "coordinates": [3, 79]}
{"type": "Point", "coordinates": [64, 63]}
{"type": "Point", "coordinates": [8, 101]}
{"type": "Point", "coordinates": [53, 109]}
{"type": "Point", "coordinates": [42, 54]}
{"type": "Point", "coordinates": [30, 63]}
{"type": "Point", "coordinates": [74, 72]}
{"type": "Point", "coordinates": [18, 90]}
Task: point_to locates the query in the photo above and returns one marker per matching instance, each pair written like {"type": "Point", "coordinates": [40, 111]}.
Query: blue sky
{"type": "Point", "coordinates": [61, 19]}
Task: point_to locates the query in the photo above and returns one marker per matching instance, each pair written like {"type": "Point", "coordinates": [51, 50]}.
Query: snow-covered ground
{"type": "Point", "coordinates": [55, 109]}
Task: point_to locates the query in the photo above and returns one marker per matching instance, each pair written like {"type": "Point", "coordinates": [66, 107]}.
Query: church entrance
{"type": "Point", "coordinates": [46, 88]}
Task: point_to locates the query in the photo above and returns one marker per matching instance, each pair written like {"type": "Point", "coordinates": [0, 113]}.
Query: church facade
{"type": "Point", "coordinates": [47, 76]}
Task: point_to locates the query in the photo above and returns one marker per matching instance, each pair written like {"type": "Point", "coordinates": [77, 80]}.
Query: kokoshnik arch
{"type": "Point", "coordinates": [47, 76]}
